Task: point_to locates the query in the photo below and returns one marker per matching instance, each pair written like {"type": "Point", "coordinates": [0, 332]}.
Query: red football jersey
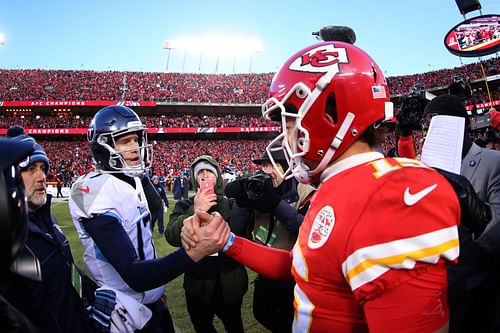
{"type": "Point", "coordinates": [372, 250]}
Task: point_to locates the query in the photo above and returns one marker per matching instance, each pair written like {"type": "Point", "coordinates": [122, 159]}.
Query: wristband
{"type": "Point", "coordinates": [229, 242]}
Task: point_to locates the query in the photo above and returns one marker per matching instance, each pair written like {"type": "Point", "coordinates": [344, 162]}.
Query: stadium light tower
{"type": "Point", "coordinates": [258, 49]}
{"type": "Point", "coordinates": [168, 46]}
{"type": "Point", "coordinates": [217, 46]}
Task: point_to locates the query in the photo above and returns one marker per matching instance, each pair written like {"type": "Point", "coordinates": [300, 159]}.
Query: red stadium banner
{"type": "Point", "coordinates": [83, 131]}
{"type": "Point", "coordinates": [484, 105]}
{"type": "Point", "coordinates": [51, 131]}
{"type": "Point", "coordinates": [215, 130]}
{"type": "Point", "coordinates": [76, 103]}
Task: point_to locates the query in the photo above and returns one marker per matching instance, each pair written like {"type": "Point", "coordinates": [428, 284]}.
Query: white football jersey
{"type": "Point", "coordinates": [97, 193]}
{"type": "Point", "coordinates": [229, 177]}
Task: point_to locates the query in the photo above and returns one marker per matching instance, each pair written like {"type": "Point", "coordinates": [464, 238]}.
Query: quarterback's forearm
{"type": "Point", "coordinates": [273, 263]}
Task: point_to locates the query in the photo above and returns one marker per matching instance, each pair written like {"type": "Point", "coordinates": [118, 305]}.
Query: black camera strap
{"type": "Point", "coordinates": [270, 228]}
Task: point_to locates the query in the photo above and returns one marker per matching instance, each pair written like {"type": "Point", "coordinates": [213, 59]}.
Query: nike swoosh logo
{"type": "Point", "coordinates": [84, 189]}
{"type": "Point", "coordinates": [412, 199]}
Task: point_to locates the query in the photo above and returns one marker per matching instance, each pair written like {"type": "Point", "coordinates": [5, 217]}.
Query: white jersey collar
{"type": "Point", "coordinates": [348, 163]}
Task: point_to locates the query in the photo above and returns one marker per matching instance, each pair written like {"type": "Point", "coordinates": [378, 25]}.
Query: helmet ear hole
{"type": "Point", "coordinates": [331, 109]}
{"type": "Point", "coordinates": [301, 93]}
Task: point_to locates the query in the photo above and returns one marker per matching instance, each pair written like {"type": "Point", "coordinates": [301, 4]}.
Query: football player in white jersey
{"type": "Point", "coordinates": [110, 212]}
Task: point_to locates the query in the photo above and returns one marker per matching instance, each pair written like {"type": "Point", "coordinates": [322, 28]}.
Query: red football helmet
{"type": "Point", "coordinates": [333, 91]}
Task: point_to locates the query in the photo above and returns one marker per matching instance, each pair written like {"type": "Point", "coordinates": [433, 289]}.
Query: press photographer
{"type": "Point", "coordinates": [269, 210]}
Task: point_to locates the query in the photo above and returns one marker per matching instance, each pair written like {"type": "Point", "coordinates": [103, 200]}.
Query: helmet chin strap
{"type": "Point", "coordinates": [134, 173]}
{"type": "Point", "coordinates": [303, 173]}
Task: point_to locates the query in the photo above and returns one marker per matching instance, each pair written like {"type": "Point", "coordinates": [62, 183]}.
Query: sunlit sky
{"type": "Point", "coordinates": [404, 37]}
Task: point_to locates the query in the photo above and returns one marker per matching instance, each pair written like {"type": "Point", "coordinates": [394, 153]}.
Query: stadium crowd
{"type": "Point", "coordinates": [174, 120]}
{"type": "Point", "coordinates": [17, 85]}
{"type": "Point", "coordinates": [41, 85]}
{"type": "Point", "coordinates": [442, 77]}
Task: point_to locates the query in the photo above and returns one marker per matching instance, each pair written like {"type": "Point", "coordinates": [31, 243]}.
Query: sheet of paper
{"type": "Point", "coordinates": [443, 144]}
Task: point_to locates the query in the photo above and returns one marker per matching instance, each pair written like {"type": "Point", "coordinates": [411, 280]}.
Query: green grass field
{"type": "Point", "coordinates": [175, 292]}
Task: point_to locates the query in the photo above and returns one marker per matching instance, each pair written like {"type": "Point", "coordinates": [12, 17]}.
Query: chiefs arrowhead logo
{"type": "Point", "coordinates": [321, 59]}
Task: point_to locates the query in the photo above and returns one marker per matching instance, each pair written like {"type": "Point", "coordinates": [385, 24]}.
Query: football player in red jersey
{"type": "Point", "coordinates": [373, 248]}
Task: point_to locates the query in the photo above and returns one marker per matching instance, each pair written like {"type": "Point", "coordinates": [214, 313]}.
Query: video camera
{"type": "Point", "coordinates": [255, 186]}
{"type": "Point", "coordinates": [411, 110]}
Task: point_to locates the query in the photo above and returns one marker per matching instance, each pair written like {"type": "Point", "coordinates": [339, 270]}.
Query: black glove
{"type": "Point", "coordinates": [475, 214]}
{"type": "Point", "coordinates": [236, 191]}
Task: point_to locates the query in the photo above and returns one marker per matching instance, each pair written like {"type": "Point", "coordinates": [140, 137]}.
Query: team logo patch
{"type": "Point", "coordinates": [321, 59]}
{"type": "Point", "coordinates": [91, 133]}
{"type": "Point", "coordinates": [322, 228]}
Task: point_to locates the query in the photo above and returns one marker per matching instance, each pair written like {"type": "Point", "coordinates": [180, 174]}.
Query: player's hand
{"type": "Point", "coordinates": [211, 231]}
{"type": "Point", "coordinates": [188, 236]}
{"type": "Point", "coordinates": [474, 213]}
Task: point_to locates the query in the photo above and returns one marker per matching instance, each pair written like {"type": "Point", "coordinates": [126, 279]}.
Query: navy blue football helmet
{"type": "Point", "coordinates": [108, 124]}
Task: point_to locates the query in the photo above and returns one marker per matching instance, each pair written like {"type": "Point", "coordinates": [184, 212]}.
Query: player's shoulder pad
{"type": "Point", "coordinates": [88, 188]}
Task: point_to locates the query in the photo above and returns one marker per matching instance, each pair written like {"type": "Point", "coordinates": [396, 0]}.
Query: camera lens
{"type": "Point", "coordinates": [255, 186]}
{"type": "Point", "coordinates": [254, 190]}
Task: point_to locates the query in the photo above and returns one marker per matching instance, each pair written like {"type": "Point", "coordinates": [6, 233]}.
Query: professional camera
{"type": "Point", "coordinates": [255, 186]}
{"type": "Point", "coordinates": [460, 87]}
{"type": "Point", "coordinates": [411, 109]}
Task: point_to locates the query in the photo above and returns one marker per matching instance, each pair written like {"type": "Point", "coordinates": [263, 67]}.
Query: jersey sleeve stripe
{"type": "Point", "coordinates": [299, 263]}
{"type": "Point", "coordinates": [368, 263]}
{"type": "Point", "coordinates": [111, 214]}
{"type": "Point", "coordinates": [303, 311]}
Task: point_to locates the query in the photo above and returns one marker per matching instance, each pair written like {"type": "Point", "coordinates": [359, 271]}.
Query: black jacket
{"type": "Point", "coordinates": [14, 321]}
{"type": "Point", "coordinates": [52, 305]}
